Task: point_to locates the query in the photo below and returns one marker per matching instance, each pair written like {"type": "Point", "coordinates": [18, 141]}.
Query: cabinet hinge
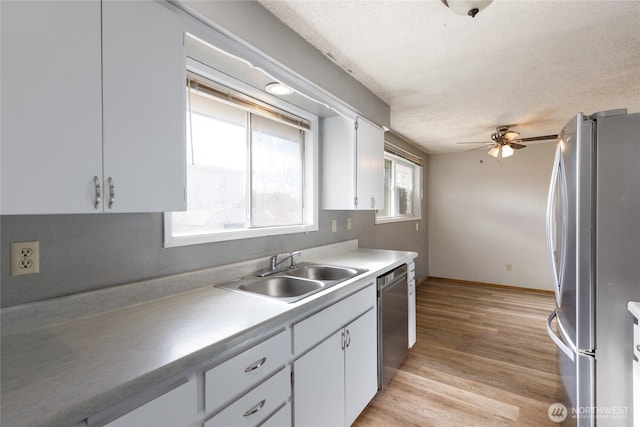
{"type": "Point", "coordinates": [291, 378]}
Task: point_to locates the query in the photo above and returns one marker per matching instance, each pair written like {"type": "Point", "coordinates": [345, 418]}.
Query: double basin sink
{"type": "Point", "coordinates": [294, 284]}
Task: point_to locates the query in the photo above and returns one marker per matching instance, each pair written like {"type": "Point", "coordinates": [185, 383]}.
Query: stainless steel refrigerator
{"type": "Point", "coordinates": [593, 235]}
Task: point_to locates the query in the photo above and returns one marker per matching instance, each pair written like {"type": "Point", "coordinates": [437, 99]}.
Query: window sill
{"type": "Point", "coordinates": [177, 241]}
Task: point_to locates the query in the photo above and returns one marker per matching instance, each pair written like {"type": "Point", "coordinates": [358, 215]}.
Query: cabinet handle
{"type": "Point", "coordinates": [255, 408]}
{"type": "Point", "coordinates": [373, 202]}
{"type": "Point", "coordinates": [255, 365]}
{"type": "Point", "coordinates": [112, 192]}
{"type": "Point", "coordinates": [410, 289]}
{"type": "Point", "coordinates": [343, 340]}
{"type": "Point", "coordinates": [96, 182]}
{"type": "Point", "coordinates": [348, 340]}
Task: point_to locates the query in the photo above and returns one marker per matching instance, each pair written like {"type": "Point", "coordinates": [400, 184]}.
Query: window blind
{"type": "Point", "coordinates": [228, 96]}
{"type": "Point", "coordinates": [402, 153]}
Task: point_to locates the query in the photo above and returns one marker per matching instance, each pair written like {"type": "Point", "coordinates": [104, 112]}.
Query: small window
{"type": "Point", "coordinates": [249, 170]}
{"type": "Point", "coordinates": [402, 189]}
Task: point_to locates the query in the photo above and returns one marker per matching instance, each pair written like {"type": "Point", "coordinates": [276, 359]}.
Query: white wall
{"type": "Point", "coordinates": [484, 215]}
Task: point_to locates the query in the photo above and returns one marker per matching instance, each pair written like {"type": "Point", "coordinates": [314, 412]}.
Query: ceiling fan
{"type": "Point", "coordinates": [505, 140]}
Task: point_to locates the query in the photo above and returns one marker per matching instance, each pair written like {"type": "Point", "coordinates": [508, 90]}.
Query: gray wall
{"type": "Point", "coordinates": [86, 252]}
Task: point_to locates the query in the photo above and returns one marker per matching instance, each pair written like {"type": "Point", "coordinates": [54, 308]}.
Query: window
{"type": "Point", "coordinates": [402, 187]}
{"type": "Point", "coordinates": [250, 169]}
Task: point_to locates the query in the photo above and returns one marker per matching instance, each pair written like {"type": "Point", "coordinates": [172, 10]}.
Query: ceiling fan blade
{"type": "Point", "coordinates": [538, 138]}
{"type": "Point", "coordinates": [487, 143]}
{"type": "Point", "coordinates": [516, 146]}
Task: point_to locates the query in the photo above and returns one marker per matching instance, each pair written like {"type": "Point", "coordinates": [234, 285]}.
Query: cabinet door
{"type": "Point", "coordinates": [370, 166]}
{"type": "Point", "coordinates": [318, 386]}
{"type": "Point", "coordinates": [176, 408]}
{"type": "Point", "coordinates": [338, 163]}
{"type": "Point", "coordinates": [144, 106]}
{"type": "Point", "coordinates": [412, 312]}
{"type": "Point", "coordinates": [361, 364]}
{"type": "Point", "coordinates": [411, 283]}
{"type": "Point", "coordinates": [51, 106]}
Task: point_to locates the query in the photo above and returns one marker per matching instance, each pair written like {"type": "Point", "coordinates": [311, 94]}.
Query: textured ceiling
{"type": "Point", "coordinates": [451, 78]}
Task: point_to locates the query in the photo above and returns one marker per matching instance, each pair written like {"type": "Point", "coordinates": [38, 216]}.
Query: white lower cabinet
{"type": "Point", "coordinates": [231, 379]}
{"type": "Point", "coordinates": [411, 283]}
{"type": "Point", "coordinates": [282, 418]}
{"type": "Point", "coordinates": [336, 379]}
{"type": "Point", "coordinates": [361, 364]}
{"type": "Point", "coordinates": [258, 405]}
{"type": "Point", "coordinates": [176, 408]}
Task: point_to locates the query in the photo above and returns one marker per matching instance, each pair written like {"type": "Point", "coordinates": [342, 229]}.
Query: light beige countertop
{"type": "Point", "coordinates": [73, 369]}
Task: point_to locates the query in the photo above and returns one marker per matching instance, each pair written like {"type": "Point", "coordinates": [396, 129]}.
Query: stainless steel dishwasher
{"type": "Point", "coordinates": [393, 323]}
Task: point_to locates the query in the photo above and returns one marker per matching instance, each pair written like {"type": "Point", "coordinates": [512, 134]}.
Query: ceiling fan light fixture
{"type": "Point", "coordinates": [466, 7]}
{"type": "Point", "coordinates": [500, 151]}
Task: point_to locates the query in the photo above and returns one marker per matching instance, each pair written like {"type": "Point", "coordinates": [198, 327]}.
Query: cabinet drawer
{"type": "Point", "coordinates": [232, 378]}
{"type": "Point", "coordinates": [282, 418]}
{"type": "Point", "coordinates": [175, 408]}
{"type": "Point", "coordinates": [316, 328]}
{"type": "Point", "coordinates": [257, 405]}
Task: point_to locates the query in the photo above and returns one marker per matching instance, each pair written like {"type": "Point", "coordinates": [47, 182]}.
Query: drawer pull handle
{"type": "Point", "coordinates": [112, 192]}
{"type": "Point", "coordinates": [96, 183]}
{"type": "Point", "coordinates": [256, 365]}
{"type": "Point", "coordinates": [255, 409]}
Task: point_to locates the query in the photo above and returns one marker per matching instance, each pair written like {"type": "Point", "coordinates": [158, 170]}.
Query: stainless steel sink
{"type": "Point", "coordinates": [323, 272]}
{"type": "Point", "coordinates": [294, 284]}
{"type": "Point", "coordinates": [281, 286]}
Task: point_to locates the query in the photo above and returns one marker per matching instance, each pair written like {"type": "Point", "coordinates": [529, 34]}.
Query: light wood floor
{"type": "Point", "coordinates": [482, 358]}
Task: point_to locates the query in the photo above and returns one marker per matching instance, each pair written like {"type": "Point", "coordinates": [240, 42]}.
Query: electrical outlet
{"type": "Point", "coordinates": [25, 258]}
{"type": "Point", "coordinates": [334, 225]}
{"type": "Point", "coordinates": [348, 223]}
{"type": "Point", "coordinates": [508, 267]}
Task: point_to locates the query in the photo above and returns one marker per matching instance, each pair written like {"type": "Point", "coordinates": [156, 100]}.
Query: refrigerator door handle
{"type": "Point", "coordinates": [556, 339]}
{"type": "Point", "coordinates": [557, 179]}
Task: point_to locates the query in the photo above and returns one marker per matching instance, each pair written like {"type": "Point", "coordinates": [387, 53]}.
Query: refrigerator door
{"type": "Point", "coordinates": [618, 261]}
{"type": "Point", "coordinates": [577, 372]}
{"type": "Point", "coordinates": [574, 228]}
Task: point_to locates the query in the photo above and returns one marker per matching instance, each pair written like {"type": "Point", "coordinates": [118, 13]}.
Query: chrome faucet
{"type": "Point", "coordinates": [274, 263]}
{"type": "Point", "coordinates": [274, 260]}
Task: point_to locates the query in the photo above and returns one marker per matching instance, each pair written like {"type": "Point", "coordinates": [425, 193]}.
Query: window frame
{"type": "Point", "coordinates": [417, 194]}
{"type": "Point", "coordinates": [310, 166]}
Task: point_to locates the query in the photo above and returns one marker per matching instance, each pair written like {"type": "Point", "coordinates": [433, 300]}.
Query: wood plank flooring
{"type": "Point", "coordinates": [482, 358]}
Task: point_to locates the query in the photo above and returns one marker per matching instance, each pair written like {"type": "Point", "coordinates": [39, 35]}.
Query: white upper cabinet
{"type": "Point", "coordinates": [352, 164]}
{"type": "Point", "coordinates": [144, 74]}
{"type": "Point", "coordinates": [93, 107]}
{"type": "Point", "coordinates": [51, 106]}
